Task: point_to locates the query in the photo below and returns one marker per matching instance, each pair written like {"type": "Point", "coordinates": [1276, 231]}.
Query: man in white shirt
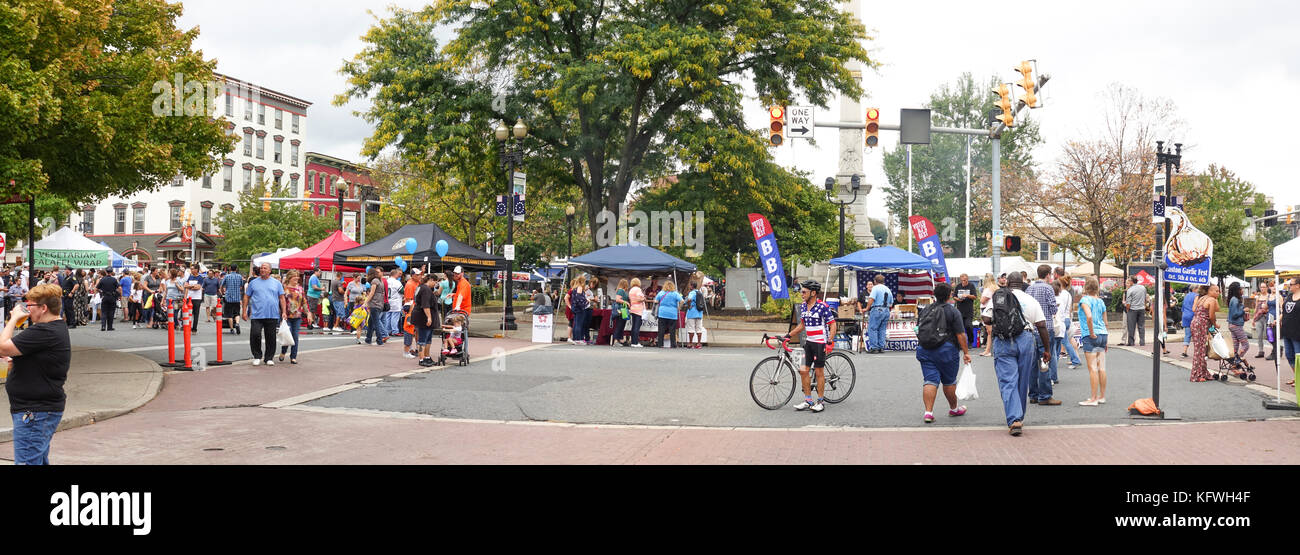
{"type": "Point", "coordinates": [1016, 358]}
{"type": "Point", "coordinates": [394, 313]}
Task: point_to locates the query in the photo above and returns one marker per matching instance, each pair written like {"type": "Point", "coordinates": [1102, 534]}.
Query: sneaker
{"type": "Point", "coordinates": [957, 411]}
{"type": "Point", "coordinates": [407, 355]}
{"type": "Point", "coordinates": [257, 362]}
{"type": "Point", "coordinates": [818, 406]}
{"type": "Point", "coordinates": [1102, 400]}
{"type": "Point", "coordinates": [1089, 403]}
{"type": "Point", "coordinates": [637, 345]}
{"type": "Point", "coordinates": [1073, 366]}
{"type": "Point", "coordinates": [928, 417]}
{"type": "Point", "coordinates": [270, 363]}
{"type": "Point", "coordinates": [426, 362]}
{"type": "Point", "coordinates": [803, 405]}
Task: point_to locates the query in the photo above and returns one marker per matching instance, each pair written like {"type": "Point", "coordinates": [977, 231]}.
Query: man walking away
{"type": "Point", "coordinates": [232, 289]}
{"type": "Point", "coordinates": [1015, 359]}
{"type": "Point", "coordinates": [109, 289]}
{"type": "Point", "coordinates": [211, 285]}
{"type": "Point", "coordinates": [1040, 388]}
{"type": "Point", "coordinates": [264, 302]}
{"type": "Point", "coordinates": [1135, 307]}
{"type": "Point", "coordinates": [879, 304]}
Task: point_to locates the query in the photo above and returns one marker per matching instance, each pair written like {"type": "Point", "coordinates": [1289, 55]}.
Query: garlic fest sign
{"type": "Point", "coordinates": [1188, 251]}
{"type": "Point", "coordinates": [72, 258]}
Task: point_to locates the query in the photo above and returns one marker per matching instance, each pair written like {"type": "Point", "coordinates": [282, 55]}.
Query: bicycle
{"type": "Point", "coordinates": [773, 382]}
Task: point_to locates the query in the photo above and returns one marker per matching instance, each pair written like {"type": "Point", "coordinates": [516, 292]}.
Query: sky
{"type": "Point", "coordinates": [1232, 69]}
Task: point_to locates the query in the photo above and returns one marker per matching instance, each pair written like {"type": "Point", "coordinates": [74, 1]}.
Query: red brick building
{"type": "Point", "coordinates": [324, 174]}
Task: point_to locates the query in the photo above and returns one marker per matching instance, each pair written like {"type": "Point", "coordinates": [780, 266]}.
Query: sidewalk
{"type": "Point", "coordinates": [101, 384]}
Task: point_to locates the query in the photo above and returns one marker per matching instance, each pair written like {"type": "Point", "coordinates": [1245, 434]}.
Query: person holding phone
{"type": "Point", "coordinates": [40, 355]}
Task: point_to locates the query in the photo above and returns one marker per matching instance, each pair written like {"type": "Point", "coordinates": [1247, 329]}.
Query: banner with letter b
{"type": "Point", "coordinates": [769, 256]}
{"type": "Point", "coordinates": [927, 240]}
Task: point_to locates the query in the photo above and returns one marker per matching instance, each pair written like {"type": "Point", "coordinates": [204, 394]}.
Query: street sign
{"type": "Point", "coordinates": [914, 126]}
{"type": "Point", "coordinates": [799, 122]}
{"type": "Point", "coordinates": [3, 241]}
{"type": "Point", "coordinates": [510, 252]}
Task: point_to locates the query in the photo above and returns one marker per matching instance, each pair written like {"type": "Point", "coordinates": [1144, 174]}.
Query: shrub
{"type": "Point", "coordinates": [478, 294]}
{"type": "Point", "coordinates": [778, 307]}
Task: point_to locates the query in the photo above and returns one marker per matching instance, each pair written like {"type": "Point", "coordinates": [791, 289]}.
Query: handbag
{"type": "Point", "coordinates": [285, 335]}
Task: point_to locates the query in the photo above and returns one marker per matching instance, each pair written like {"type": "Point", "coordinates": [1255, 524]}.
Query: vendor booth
{"type": "Point", "coordinates": [908, 276]}
{"type": "Point", "coordinates": [274, 258]}
{"type": "Point", "coordinates": [117, 260]}
{"type": "Point", "coordinates": [416, 245]}
{"type": "Point", "coordinates": [629, 261]}
{"type": "Point", "coordinates": [66, 248]}
{"type": "Point", "coordinates": [321, 255]}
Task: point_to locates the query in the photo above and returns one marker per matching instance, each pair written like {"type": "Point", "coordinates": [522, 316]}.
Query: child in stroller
{"type": "Point", "coordinates": [1235, 365]}
{"type": "Point", "coordinates": [455, 329]}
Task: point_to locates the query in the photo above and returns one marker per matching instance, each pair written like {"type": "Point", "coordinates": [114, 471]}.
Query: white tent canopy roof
{"type": "Point", "coordinates": [1286, 257]}
{"type": "Point", "coordinates": [65, 239]}
{"type": "Point", "coordinates": [1085, 269]}
{"type": "Point", "coordinates": [977, 267]}
{"type": "Point", "coordinates": [274, 258]}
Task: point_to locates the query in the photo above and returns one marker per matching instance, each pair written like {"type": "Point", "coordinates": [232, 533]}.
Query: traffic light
{"type": "Point", "coordinates": [266, 204]}
{"type": "Point", "coordinates": [1290, 218]}
{"type": "Point", "coordinates": [873, 127]}
{"type": "Point", "coordinates": [1026, 70]}
{"type": "Point", "coordinates": [1271, 221]}
{"type": "Point", "coordinates": [1007, 117]}
{"type": "Point", "coordinates": [1011, 243]}
{"type": "Point", "coordinates": [776, 124]}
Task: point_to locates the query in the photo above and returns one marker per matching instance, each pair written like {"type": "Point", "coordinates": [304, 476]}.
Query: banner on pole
{"type": "Point", "coordinates": [927, 240]}
{"type": "Point", "coordinates": [770, 256]}
{"type": "Point", "coordinates": [1188, 251]}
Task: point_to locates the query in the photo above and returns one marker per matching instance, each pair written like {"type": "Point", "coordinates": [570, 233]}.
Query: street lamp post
{"type": "Point", "coordinates": [511, 157]}
{"type": "Point", "coordinates": [855, 183]}
{"type": "Point", "coordinates": [1172, 162]}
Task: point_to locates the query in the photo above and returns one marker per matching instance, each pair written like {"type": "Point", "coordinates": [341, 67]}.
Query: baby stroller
{"type": "Point", "coordinates": [1234, 365]}
{"type": "Point", "coordinates": [460, 339]}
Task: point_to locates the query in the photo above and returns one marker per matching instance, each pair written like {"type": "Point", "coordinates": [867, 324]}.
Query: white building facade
{"type": "Point", "coordinates": [272, 130]}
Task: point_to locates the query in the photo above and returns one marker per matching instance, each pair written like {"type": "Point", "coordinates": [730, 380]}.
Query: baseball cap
{"type": "Point", "coordinates": [416, 271]}
{"type": "Point", "coordinates": [458, 270]}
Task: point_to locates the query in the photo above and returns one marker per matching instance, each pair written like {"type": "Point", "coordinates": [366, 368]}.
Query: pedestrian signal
{"type": "Point", "coordinates": [1012, 243]}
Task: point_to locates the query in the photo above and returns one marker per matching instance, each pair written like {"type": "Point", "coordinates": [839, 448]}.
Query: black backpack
{"type": "Point", "coordinates": [932, 326]}
{"type": "Point", "coordinates": [1008, 320]}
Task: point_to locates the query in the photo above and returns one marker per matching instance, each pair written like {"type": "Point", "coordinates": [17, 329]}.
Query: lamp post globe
{"type": "Point", "coordinates": [502, 132]}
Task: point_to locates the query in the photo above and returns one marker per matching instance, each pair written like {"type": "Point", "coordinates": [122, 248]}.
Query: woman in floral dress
{"type": "Point", "coordinates": [294, 301]}
{"type": "Point", "coordinates": [1207, 303]}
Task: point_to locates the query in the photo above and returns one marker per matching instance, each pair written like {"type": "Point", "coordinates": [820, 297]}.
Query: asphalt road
{"type": "Point", "coordinates": [608, 385]}
{"type": "Point", "coordinates": [152, 344]}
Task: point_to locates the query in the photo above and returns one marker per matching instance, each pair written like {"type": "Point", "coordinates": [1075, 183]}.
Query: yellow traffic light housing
{"type": "Point", "coordinates": [873, 127]}
{"type": "Point", "coordinates": [1026, 70]}
{"type": "Point", "coordinates": [1007, 117]}
{"type": "Point", "coordinates": [776, 125]}
{"type": "Point", "coordinates": [266, 204]}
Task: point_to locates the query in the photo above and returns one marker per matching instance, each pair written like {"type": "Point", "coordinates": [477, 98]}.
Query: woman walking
{"type": "Point", "coordinates": [621, 306]}
{"type": "Point", "coordinates": [294, 302]}
{"type": "Point", "coordinates": [133, 306]}
{"type": "Point", "coordinates": [986, 312]}
{"type": "Point", "coordinates": [1064, 303]}
{"type": "Point", "coordinates": [1207, 304]}
{"type": "Point", "coordinates": [1290, 337]}
{"type": "Point", "coordinates": [1189, 312]}
{"type": "Point", "coordinates": [578, 301]}
{"type": "Point", "coordinates": [1093, 335]}
{"type": "Point", "coordinates": [669, 300]}
{"type": "Point", "coordinates": [636, 304]}
{"type": "Point", "coordinates": [1237, 320]}
{"type": "Point", "coordinates": [939, 365]}
{"type": "Point", "coordinates": [1259, 319]}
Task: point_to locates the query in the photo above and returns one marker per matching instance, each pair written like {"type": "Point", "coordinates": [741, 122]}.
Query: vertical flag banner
{"type": "Point", "coordinates": [927, 239]}
{"type": "Point", "coordinates": [769, 256]}
{"type": "Point", "coordinates": [501, 205]}
{"type": "Point", "coordinates": [1188, 251]}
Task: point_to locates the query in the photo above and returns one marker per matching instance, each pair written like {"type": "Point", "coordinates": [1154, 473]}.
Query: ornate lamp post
{"type": "Point", "coordinates": [855, 183]}
{"type": "Point", "coordinates": [511, 157]}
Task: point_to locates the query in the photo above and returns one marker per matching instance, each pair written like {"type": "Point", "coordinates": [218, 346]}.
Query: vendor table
{"type": "Point", "coordinates": [606, 329]}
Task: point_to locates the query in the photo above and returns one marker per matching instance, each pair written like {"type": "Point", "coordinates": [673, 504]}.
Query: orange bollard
{"type": "Point", "coordinates": [187, 320]}
{"type": "Point", "coordinates": [221, 325]}
{"type": "Point", "coordinates": [171, 339]}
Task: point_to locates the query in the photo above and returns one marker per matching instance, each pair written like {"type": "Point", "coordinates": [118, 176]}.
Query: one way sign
{"type": "Point", "coordinates": [800, 122]}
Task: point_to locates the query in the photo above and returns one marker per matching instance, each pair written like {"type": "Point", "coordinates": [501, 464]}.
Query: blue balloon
{"type": "Point", "coordinates": [367, 269]}
{"type": "Point", "coordinates": [400, 263]}
{"type": "Point", "coordinates": [441, 248]}
{"type": "Point", "coordinates": [410, 246]}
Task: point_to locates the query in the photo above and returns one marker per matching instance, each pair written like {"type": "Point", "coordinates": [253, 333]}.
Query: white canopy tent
{"type": "Point", "coordinates": [69, 249]}
{"type": "Point", "coordinates": [977, 267]}
{"type": "Point", "coordinates": [1286, 258]}
{"type": "Point", "coordinates": [274, 258]}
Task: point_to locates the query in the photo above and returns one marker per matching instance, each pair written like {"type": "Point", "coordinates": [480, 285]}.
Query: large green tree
{"type": "Point", "coordinates": [1216, 203]}
{"type": "Point", "coordinates": [939, 168]}
{"type": "Point", "coordinates": [250, 230]}
{"type": "Point", "coordinates": [611, 88]}
{"type": "Point", "coordinates": [77, 92]}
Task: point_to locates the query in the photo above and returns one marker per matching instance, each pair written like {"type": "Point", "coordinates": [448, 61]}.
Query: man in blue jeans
{"type": "Point", "coordinates": [1040, 387]}
{"type": "Point", "coordinates": [1015, 358]}
{"type": "Point", "coordinates": [40, 355]}
{"type": "Point", "coordinates": [878, 310]}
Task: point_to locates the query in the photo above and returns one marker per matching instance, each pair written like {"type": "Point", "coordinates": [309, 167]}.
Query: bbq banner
{"type": "Point", "coordinates": [1188, 251]}
{"type": "Point", "coordinates": [927, 240]}
{"type": "Point", "coordinates": [770, 256]}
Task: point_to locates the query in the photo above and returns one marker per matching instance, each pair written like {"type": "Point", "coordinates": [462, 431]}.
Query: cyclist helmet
{"type": "Point", "coordinates": [811, 285]}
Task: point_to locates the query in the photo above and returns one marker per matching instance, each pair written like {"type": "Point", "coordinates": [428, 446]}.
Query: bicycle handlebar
{"type": "Point", "coordinates": [785, 343]}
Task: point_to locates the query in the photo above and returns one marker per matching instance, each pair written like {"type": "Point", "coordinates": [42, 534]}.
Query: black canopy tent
{"type": "Point", "coordinates": [383, 252]}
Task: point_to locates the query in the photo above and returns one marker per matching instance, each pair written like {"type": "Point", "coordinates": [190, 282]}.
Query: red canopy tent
{"type": "Point", "coordinates": [323, 251]}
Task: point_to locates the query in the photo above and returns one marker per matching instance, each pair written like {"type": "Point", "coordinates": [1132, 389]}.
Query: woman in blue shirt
{"type": "Point", "coordinates": [1237, 320]}
{"type": "Point", "coordinates": [1189, 305]}
{"type": "Point", "coordinates": [669, 300]}
{"type": "Point", "coordinates": [1093, 335]}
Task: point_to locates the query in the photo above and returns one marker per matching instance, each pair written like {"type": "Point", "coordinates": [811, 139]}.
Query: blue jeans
{"type": "Point", "coordinates": [1069, 347]}
{"type": "Point", "coordinates": [876, 327]}
{"type": "Point", "coordinates": [580, 325]}
{"type": "Point", "coordinates": [392, 322]}
{"type": "Point", "coordinates": [939, 366]}
{"type": "Point", "coordinates": [336, 313]}
{"type": "Point", "coordinates": [1040, 385]}
{"type": "Point", "coordinates": [32, 434]}
{"type": "Point", "coordinates": [294, 324]}
{"type": "Point", "coordinates": [1015, 362]}
{"type": "Point", "coordinates": [376, 327]}
{"type": "Point", "coordinates": [1290, 346]}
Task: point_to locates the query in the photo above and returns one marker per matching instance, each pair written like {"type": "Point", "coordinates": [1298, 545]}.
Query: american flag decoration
{"type": "Point", "coordinates": [501, 205]}
{"type": "Point", "coordinates": [906, 286]}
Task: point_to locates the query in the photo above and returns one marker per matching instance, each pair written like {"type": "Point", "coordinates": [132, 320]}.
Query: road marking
{"type": "Point", "coordinates": [310, 396]}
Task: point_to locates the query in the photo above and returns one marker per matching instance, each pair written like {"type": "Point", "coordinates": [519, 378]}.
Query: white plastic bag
{"type": "Point", "coordinates": [1220, 345]}
{"type": "Point", "coordinates": [284, 336]}
{"type": "Point", "coordinates": [966, 383]}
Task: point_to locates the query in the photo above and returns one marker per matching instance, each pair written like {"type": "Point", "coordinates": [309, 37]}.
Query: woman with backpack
{"type": "Point", "coordinates": [1093, 335]}
{"type": "Point", "coordinates": [620, 313]}
{"type": "Point", "coordinates": [578, 302]}
{"type": "Point", "coordinates": [694, 317]}
{"type": "Point", "coordinates": [939, 333]}
{"type": "Point", "coordinates": [668, 300]}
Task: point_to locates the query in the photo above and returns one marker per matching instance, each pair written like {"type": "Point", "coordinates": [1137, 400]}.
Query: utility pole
{"type": "Point", "coordinates": [1172, 162]}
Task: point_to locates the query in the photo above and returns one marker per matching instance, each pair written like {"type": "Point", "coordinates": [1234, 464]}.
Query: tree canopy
{"type": "Point", "coordinates": [615, 92]}
{"type": "Point", "coordinates": [1216, 203]}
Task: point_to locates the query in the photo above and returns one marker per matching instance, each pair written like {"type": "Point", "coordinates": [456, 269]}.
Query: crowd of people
{"type": "Point", "coordinates": [627, 303]}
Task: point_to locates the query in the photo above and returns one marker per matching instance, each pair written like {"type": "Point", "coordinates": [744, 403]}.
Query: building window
{"type": "Point", "coordinates": [261, 148]}
{"type": "Point", "coordinates": [293, 155]}
{"type": "Point", "coordinates": [175, 217]}
{"type": "Point", "coordinates": [248, 144]}
{"type": "Point", "coordinates": [248, 179]}
{"type": "Point", "coordinates": [227, 177]}
{"type": "Point", "coordinates": [279, 149]}
{"type": "Point", "coordinates": [329, 187]}
{"type": "Point", "coordinates": [207, 181]}
{"type": "Point", "coordinates": [88, 220]}
{"type": "Point", "coordinates": [207, 219]}
{"type": "Point", "coordinates": [1044, 250]}
{"type": "Point", "coordinates": [277, 182]}
{"type": "Point", "coordinates": [138, 223]}
{"type": "Point", "coordinates": [178, 181]}
{"type": "Point", "coordinates": [119, 221]}
{"type": "Point", "coordinates": [230, 105]}
{"type": "Point", "coordinates": [295, 123]}
{"type": "Point", "coordinates": [261, 114]}
{"type": "Point", "coordinates": [279, 118]}
{"type": "Point", "coordinates": [248, 109]}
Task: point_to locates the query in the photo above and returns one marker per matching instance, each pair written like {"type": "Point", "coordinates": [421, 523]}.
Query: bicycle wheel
{"type": "Point", "coordinates": [840, 377]}
{"type": "Point", "coordinates": [772, 383]}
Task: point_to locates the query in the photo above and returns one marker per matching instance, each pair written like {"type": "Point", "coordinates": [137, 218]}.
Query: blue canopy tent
{"type": "Point", "coordinates": [884, 259]}
{"type": "Point", "coordinates": [117, 260]}
{"type": "Point", "coordinates": [632, 258]}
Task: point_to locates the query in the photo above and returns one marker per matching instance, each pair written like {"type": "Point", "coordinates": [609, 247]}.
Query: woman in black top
{"type": "Point", "coordinates": [41, 356]}
{"type": "Point", "coordinates": [1290, 308]}
{"type": "Point", "coordinates": [424, 314]}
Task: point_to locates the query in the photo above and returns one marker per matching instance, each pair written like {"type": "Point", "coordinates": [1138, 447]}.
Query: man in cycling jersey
{"type": "Point", "coordinates": [817, 321]}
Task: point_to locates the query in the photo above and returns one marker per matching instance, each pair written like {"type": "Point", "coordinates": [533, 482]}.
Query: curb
{"type": "Point", "coordinates": [83, 418]}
